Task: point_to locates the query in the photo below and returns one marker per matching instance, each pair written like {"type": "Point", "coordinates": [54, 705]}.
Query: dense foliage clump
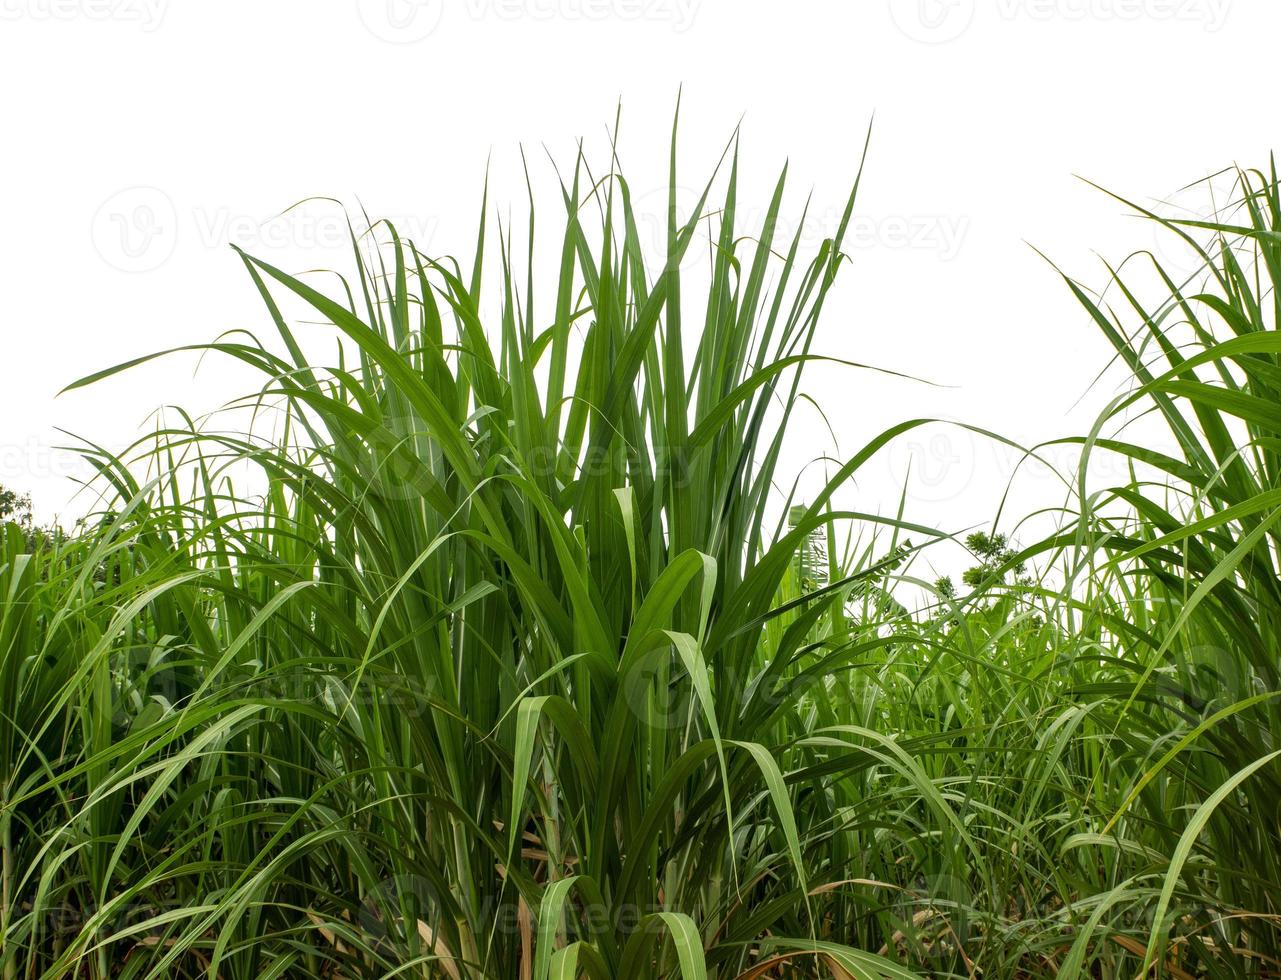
{"type": "Point", "coordinates": [518, 660]}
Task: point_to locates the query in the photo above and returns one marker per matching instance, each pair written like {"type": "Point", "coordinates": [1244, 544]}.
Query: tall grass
{"type": "Point", "coordinates": [1191, 571]}
{"type": "Point", "coordinates": [524, 662]}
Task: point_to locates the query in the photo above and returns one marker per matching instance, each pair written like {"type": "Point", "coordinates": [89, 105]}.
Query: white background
{"type": "Point", "coordinates": [141, 136]}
